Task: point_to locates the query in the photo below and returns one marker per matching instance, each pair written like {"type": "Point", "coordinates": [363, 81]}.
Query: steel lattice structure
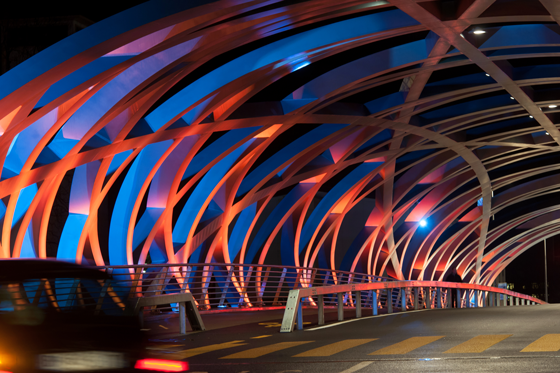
{"type": "Point", "coordinates": [309, 133]}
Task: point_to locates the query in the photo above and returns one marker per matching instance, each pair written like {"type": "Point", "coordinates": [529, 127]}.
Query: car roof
{"type": "Point", "coordinates": [22, 269]}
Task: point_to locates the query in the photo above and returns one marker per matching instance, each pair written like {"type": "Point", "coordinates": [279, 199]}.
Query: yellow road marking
{"type": "Point", "coordinates": [278, 324]}
{"type": "Point", "coordinates": [260, 351]}
{"type": "Point", "coordinates": [477, 344]}
{"type": "Point", "coordinates": [548, 342]}
{"type": "Point", "coordinates": [162, 347]}
{"type": "Point", "coordinates": [334, 348]}
{"type": "Point", "coordinates": [201, 350]}
{"type": "Point", "coordinates": [261, 336]}
{"type": "Point", "coordinates": [161, 326]}
{"type": "Point", "coordinates": [405, 346]}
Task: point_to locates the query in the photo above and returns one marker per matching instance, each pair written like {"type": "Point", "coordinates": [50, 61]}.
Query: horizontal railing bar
{"type": "Point", "coordinates": [333, 289]}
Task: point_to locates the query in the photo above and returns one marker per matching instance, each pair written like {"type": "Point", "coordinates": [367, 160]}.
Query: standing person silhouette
{"type": "Point", "coordinates": [453, 276]}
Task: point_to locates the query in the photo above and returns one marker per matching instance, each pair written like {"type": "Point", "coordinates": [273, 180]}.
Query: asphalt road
{"type": "Point", "coordinates": [502, 339]}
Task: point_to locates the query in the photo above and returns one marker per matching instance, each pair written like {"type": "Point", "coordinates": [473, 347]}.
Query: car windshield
{"type": "Point", "coordinates": [24, 300]}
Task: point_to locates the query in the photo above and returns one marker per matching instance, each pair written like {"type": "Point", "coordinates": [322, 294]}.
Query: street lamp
{"type": "Point", "coordinates": [545, 275]}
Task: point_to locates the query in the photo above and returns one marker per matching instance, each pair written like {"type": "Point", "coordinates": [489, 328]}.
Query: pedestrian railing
{"type": "Point", "coordinates": [214, 287]}
{"type": "Point", "coordinates": [406, 295]}
{"type": "Point", "coordinates": [221, 286]}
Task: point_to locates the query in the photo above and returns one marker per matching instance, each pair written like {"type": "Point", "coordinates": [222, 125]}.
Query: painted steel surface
{"type": "Point", "coordinates": [383, 137]}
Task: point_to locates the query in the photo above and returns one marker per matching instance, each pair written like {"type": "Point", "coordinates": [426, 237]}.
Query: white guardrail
{"type": "Point", "coordinates": [410, 295]}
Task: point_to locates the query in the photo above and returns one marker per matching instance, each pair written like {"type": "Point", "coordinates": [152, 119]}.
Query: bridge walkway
{"type": "Point", "coordinates": [520, 338]}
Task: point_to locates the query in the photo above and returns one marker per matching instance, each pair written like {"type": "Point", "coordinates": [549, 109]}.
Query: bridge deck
{"type": "Point", "coordinates": [524, 338]}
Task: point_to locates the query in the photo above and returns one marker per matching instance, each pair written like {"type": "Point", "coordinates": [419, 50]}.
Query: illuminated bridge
{"type": "Point", "coordinates": [324, 140]}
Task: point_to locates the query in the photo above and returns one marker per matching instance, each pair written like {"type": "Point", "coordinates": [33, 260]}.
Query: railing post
{"type": "Point", "coordinates": [491, 299]}
{"type": "Point", "coordinates": [428, 298]}
{"type": "Point", "coordinates": [340, 306]}
{"type": "Point", "coordinates": [374, 302]}
{"type": "Point", "coordinates": [403, 299]}
{"type": "Point", "coordinates": [511, 301]}
{"type": "Point", "coordinates": [390, 300]}
{"type": "Point", "coordinates": [182, 318]}
{"type": "Point", "coordinates": [449, 297]}
{"type": "Point", "coordinates": [475, 296]}
{"type": "Point", "coordinates": [516, 301]}
{"type": "Point", "coordinates": [226, 288]}
{"type": "Point", "coordinates": [321, 309]}
{"type": "Point", "coordinates": [290, 311]}
{"type": "Point", "coordinates": [416, 298]}
{"type": "Point", "coordinates": [358, 296]}
{"type": "Point", "coordinates": [275, 302]}
{"type": "Point", "coordinates": [523, 301]}
{"type": "Point", "coordinates": [368, 299]}
{"type": "Point", "coordinates": [300, 315]}
{"type": "Point", "coordinates": [438, 297]}
{"type": "Point", "coordinates": [458, 304]}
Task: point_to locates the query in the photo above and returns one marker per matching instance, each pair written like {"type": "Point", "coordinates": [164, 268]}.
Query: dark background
{"type": "Point", "coordinates": [26, 27]}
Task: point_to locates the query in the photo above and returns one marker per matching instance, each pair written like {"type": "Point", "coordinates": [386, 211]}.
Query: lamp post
{"type": "Point", "coordinates": [545, 275]}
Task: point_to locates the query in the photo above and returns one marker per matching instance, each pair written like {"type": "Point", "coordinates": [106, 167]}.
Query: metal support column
{"type": "Point", "coordinates": [374, 301]}
{"type": "Point", "coordinates": [449, 298]}
{"type": "Point", "coordinates": [340, 306]}
{"type": "Point", "coordinates": [491, 302]}
{"type": "Point", "coordinates": [438, 297]}
{"type": "Point", "coordinates": [358, 297]}
{"type": "Point", "coordinates": [403, 299]}
{"type": "Point", "coordinates": [416, 298]}
{"type": "Point", "coordinates": [428, 298]}
{"type": "Point", "coordinates": [182, 318]}
{"type": "Point", "coordinates": [321, 309]}
{"type": "Point", "coordinates": [300, 316]}
{"type": "Point", "coordinates": [389, 300]}
{"type": "Point", "coordinates": [458, 305]}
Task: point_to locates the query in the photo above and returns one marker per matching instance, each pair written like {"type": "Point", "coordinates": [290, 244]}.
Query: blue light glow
{"type": "Point", "coordinates": [423, 223]}
{"type": "Point", "coordinates": [301, 65]}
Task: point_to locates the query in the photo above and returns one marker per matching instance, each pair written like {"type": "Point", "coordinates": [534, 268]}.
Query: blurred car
{"type": "Point", "coordinates": [62, 317]}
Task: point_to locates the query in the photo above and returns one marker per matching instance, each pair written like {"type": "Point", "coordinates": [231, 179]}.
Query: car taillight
{"type": "Point", "coordinates": [161, 365]}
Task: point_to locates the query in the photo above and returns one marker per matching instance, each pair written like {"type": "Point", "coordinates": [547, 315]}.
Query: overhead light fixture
{"type": "Point", "coordinates": [530, 116]}
{"type": "Point", "coordinates": [487, 74]}
{"type": "Point", "coordinates": [479, 32]}
{"type": "Point", "coordinates": [511, 97]}
{"type": "Point", "coordinates": [463, 36]}
{"type": "Point", "coordinates": [423, 223]}
{"type": "Point", "coordinates": [548, 133]}
{"type": "Point", "coordinates": [552, 106]}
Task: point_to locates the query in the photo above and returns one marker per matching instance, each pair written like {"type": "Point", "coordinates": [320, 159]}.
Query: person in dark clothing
{"type": "Point", "coordinates": [454, 277]}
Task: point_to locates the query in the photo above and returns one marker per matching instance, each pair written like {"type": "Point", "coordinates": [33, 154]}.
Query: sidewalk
{"type": "Point", "coordinates": [167, 325]}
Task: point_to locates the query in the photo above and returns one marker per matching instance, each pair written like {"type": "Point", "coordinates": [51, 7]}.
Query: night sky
{"type": "Point", "coordinates": [94, 10]}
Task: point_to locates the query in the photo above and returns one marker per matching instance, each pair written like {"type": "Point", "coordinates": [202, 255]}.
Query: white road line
{"type": "Point", "coordinates": [364, 318]}
{"type": "Point", "coordinates": [357, 367]}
